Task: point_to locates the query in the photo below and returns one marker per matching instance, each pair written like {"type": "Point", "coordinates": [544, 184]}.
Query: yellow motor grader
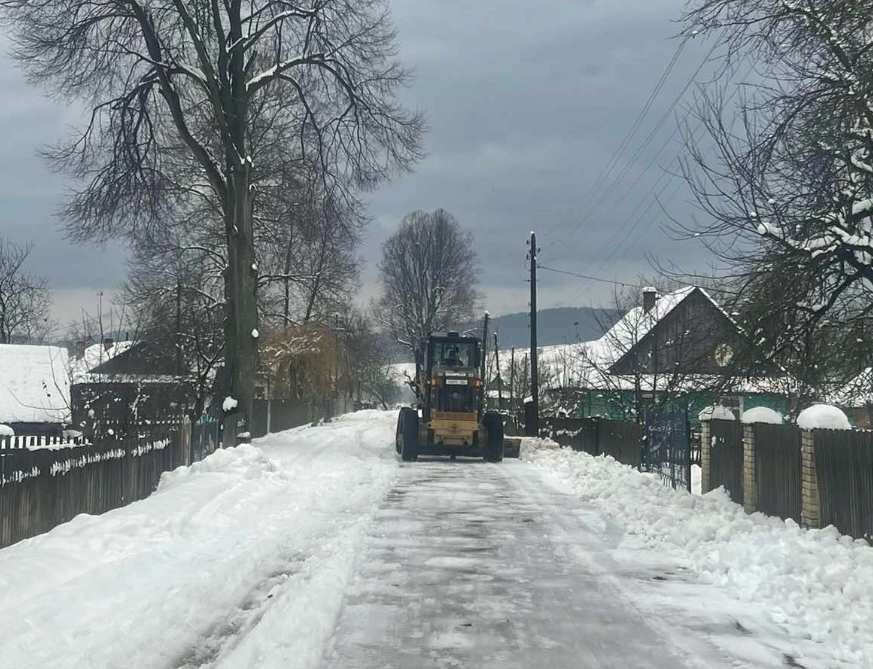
{"type": "Point", "coordinates": [450, 417]}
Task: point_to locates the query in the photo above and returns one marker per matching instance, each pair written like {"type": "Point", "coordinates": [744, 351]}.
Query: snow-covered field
{"type": "Point", "coordinates": [815, 585]}
{"type": "Point", "coordinates": [240, 560]}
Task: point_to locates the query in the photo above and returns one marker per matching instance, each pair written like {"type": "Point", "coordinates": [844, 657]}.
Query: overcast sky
{"type": "Point", "coordinates": [526, 103]}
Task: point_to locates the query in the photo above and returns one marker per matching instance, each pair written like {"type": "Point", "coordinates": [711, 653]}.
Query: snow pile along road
{"type": "Point", "coordinates": [815, 584]}
{"type": "Point", "coordinates": [237, 561]}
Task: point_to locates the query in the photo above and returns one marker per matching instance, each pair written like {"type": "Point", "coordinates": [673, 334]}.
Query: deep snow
{"type": "Point", "coordinates": [810, 585]}
{"type": "Point", "coordinates": [252, 557]}
{"type": "Point", "coordinates": [238, 561]}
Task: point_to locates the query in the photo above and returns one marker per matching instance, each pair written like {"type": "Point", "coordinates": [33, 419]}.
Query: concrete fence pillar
{"type": "Point", "coordinates": [750, 470]}
{"type": "Point", "coordinates": [705, 457]}
{"type": "Point", "coordinates": [810, 509]}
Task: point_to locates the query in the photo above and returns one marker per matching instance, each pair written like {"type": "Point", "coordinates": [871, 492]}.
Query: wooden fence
{"type": "Point", "coordinates": [844, 469]}
{"type": "Point", "coordinates": [597, 436]}
{"type": "Point", "coordinates": [778, 470]}
{"type": "Point", "coordinates": [42, 488]}
{"type": "Point", "coordinates": [29, 441]}
{"type": "Point", "coordinates": [726, 459]}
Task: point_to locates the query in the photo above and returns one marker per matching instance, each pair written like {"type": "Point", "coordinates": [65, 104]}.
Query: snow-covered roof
{"type": "Point", "coordinates": [635, 325]}
{"type": "Point", "coordinates": [94, 356]}
{"type": "Point", "coordinates": [34, 384]}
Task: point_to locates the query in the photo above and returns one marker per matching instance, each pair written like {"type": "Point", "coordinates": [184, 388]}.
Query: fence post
{"type": "Point", "coordinates": [185, 441]}
{"type": "Point", "coordinates": [810, 508]}
{"type": "Point", "coordinates": [750, 470]}
{"type": "Point", "coordinates": [705, 457]}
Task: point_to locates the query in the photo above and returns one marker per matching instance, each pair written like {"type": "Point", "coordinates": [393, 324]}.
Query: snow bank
{"type": "Point", "coordinates": [6, 431]}
{"type": "Point", "coordinates": [537, 443]}
{"type": "Point", "coordinates": [762, 415]}
{"type": "Point", "coordinates": [823, 417]}
{"type": "Point", "coordinates": [717, 412]}
{"type": "Point", "coordinates": [814, 583]}
{"type": "Point", "coordinates": [246, 554]}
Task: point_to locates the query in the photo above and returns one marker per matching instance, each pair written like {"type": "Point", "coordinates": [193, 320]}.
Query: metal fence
{"type": "Point", "coordinates": [667, 448]}
{"type": "Point", "coordinates": [726, 457]}
{"type": "Point", "coordinates": [844, 468]}
{"type": "Point", "coordinates": [597, 436]}
{"type": "Point", "coordinates": [778, 470]}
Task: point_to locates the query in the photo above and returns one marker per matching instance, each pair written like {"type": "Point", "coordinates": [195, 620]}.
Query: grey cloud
{"type": "Point", "coordinates": [526, 103]}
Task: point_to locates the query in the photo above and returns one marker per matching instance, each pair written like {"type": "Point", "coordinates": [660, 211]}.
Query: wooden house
{"type": "Point", "coordinates": [679, 345]}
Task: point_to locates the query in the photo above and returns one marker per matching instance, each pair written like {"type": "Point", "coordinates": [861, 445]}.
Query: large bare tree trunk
{"type": "Point", "coordinates": [242, 316]}
{"type": "Point", "coordinates": [241, 341]}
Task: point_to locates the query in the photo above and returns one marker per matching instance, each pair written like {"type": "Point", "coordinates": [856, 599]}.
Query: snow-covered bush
{"type": "Point", "coordinates": [6, 431]}
{"type": "Point", "coordinates": [762, 415]}
{"type": "Point", "coordinates": [717, 412]}
{"type": "Point", "coordinates": [823, 417]}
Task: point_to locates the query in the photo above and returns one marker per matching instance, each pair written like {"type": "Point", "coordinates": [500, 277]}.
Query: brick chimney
{"type": "Point", "coordinates": [650, 296]}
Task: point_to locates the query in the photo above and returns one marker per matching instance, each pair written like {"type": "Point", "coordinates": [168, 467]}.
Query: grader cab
{"type": "Point", "coordinates": [450, 418]}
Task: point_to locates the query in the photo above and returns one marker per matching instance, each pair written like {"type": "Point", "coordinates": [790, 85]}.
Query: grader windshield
{"type": "Point", "coordinates": [449, 355]}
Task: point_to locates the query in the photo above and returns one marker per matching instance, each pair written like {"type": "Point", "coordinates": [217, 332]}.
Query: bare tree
{"type": "Point", "coordinates": [24, 298]}
{"type": "Point", "coordinates": [369, 360]}
{"type": "Point", "coordinates": [785, 175]}
{"type": "Point", "coordinates": [175, 291]}
{"type": "Point", "coordinates": [429, 273]}
{"type": "Point", "coordinates": [190, 99]}
{"type": "Point", "coordinates": [308, 266]}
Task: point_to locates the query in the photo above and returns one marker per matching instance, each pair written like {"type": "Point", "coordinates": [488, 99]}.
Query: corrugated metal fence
{"type": "Point", "coordinates": [778, 470]}
{"type": "Point", "coordinates": [597, 436]}
{"type": "Point", "coordinates": [844, 468]}
{"type": "Point", "coordinates": [726, 457]}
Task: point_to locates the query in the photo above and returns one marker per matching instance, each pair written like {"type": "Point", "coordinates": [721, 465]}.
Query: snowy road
{"type": "Point", "coordinates": [480, 565]}
{"type": "Point", "coordinates": [318, 549]}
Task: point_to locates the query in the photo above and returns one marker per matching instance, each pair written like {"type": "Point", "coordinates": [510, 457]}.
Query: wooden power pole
{"type": "Point", "coordinates": [534, 427]}
{"type": "Point", "coordinates": [499, 375]}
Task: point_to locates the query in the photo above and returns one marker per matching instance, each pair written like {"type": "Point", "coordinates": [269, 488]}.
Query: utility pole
{"type": "Point", "coordinates": [499, 376]}
{"type": "Point", "coordinates": [483, 396]}
{"type": "Point", "coordinates": [534, 428]}
{"type": "Point", "coordinates": [512, 383]}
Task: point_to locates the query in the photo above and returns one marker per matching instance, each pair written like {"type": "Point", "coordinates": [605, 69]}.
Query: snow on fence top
{"type": "Point", "coordinates": [762, 415]}
{"type": "Point", "coordinates": [823, 417]}
{"type": "Point", "coordinates": [717, 412]}
{"type": "Point", "coordinates": [34, 384]}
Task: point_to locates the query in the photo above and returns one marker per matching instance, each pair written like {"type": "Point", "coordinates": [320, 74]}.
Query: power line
{"type": "Point", "coordinates": [635, 126]}
{"type": "Point", "coordinates": [589, 277]}
{"type": "Point", "coordinates": [617, 154]}
{"type": "Point", "coordinates": [606, 192]}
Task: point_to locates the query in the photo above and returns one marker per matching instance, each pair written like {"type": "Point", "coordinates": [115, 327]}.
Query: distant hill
{"type": "Point", "coordinates": [562, 325]}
